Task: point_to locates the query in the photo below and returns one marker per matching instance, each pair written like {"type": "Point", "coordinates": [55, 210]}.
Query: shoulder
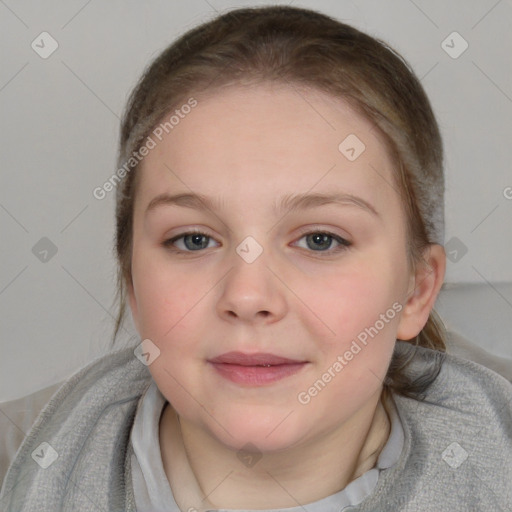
{"type": "Point", "coordinates": [112, 382]}
{"type": "Point", "coordinates": [16, 418]}
{"type": "Point", "coordinates": [464, 394]}
{"type": "Point", "coordinates": [458, 436]}
{"type": "Point", "coordinates": [461, 346]}
{"type": "Point", "coordinates": [462, 385]}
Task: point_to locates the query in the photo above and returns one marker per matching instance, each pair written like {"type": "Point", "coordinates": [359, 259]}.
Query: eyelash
{"type": "Point", "coordinates": [344, 244]}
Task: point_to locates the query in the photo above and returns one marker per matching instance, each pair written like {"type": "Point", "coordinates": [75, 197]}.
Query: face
{"type": "Point", "coordinates": [305, 283]}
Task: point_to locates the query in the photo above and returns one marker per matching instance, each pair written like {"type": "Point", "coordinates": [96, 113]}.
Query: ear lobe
{"type": "Point", "coordinates": [426, 283]}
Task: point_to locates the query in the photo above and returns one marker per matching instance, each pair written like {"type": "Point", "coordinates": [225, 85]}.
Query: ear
{"type": "Point", "coordinates": [133, 303]}
{"type": "Point", "coordinates": [423, 290]}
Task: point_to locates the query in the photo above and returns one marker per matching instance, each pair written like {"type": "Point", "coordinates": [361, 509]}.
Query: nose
{"type": "Point", "coordinates": [252, 292]}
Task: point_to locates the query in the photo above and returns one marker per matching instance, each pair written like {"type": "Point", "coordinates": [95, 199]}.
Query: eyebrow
{"type": "Point", "coordinates": [290, 202]}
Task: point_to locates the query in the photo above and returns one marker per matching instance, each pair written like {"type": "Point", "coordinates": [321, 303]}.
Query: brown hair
{"type": "Point", "coordinates": [301, 47]}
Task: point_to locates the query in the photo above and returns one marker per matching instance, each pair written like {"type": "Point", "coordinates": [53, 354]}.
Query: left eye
{"type": "Point", "coordinates": [323, 240]}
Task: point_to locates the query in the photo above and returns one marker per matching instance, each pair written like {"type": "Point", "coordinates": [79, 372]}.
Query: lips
{"type": "Point", "coordinates": [259, 359]}
{"type": "Point", "coordinates": [255, 369]}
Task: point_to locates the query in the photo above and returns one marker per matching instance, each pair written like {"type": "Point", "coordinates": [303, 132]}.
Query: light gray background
{"type": "Point", "coordinates": [60, 119]}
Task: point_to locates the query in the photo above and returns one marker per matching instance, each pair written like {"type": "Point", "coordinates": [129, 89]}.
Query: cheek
{"type": "Point", "coordinates": [342, 304]}
{"type": "Point", "coordinates": [166, 297]}
{"type": "Point", "coordinates": [170, 313]}
{"type": "Point", "coordinates": [358, 307]}
{"type": "Point", "coordinates": [358, 353]}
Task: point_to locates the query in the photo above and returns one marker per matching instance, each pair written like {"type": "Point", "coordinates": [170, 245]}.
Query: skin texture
{"type": "Point", "coordinates": [247, 147]}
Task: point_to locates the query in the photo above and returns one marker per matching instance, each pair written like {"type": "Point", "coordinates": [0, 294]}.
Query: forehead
{"type": "Point", "coordinates": [269, 139]}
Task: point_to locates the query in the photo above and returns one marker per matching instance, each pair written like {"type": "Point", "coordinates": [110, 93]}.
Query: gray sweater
{"type": "Point", "coordinates": [457, 453]}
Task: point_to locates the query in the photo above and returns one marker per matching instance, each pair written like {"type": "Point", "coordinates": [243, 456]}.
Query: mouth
{"type": "Point", "coordinates": [255, 369]}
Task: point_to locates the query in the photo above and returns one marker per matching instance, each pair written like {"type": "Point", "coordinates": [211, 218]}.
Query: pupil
{"type": "Point", "coordinates": [196, 239]}
{"type": "Point", "coordinates": [318, 238]}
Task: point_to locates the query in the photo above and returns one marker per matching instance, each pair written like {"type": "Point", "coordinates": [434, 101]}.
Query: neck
{"type": "Point", "coordinates": [204, 472]}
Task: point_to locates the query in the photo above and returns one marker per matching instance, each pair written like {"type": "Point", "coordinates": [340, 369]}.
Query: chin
{"type": "Point", "coordinates": [261, 433]}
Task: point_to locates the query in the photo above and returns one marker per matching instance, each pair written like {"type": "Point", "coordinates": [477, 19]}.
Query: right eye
{"type": "Point", "coordinates": [192, 241]}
